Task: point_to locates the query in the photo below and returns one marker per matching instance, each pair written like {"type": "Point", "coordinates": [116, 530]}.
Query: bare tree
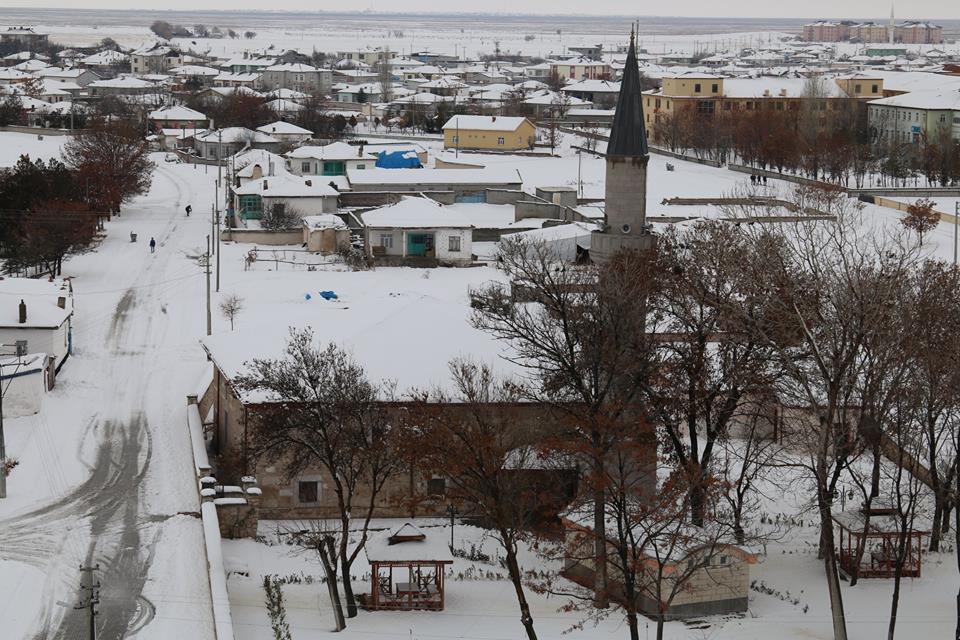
{"type": "Point", "coordinates": [327, 414]}
{"type": "Point", "coordinates": [707, 358]}
{"type": "Point", "coordinates": [230, 307]}
{"type": "Point", "coordinates": [580, 334]}
{"type": "Point", "coordinates": [470, 441]}
{"type": "Point", "coordinates": [320, 537]}
{"type": "Point", "coordinates": [823, 286]}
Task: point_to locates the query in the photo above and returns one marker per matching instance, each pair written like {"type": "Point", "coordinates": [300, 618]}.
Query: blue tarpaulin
{"type": "Point", "coordinates": [398, 160]}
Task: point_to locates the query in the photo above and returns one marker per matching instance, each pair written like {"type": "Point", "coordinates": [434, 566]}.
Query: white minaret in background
{"type": "Point", "coordinates": [890, 35]}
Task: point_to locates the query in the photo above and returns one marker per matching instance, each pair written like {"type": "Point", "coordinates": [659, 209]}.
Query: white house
{"type": "Point", "coordinates": [333, 159]}
{"type": "Point", "coordinates": [286, 132]}
{"type": "Point", "coordinates": [25, 380]}
{"type": "Point", "coordinates": [39, 313]}
{"type": "Point", "coordinates": [418, 231]}
{"type": "Point", "coordinates": [301, 196]}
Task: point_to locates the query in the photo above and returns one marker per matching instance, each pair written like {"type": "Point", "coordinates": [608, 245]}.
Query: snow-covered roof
{"type": "Point", "coordinates": [594, 86]}
{"type": "Point", "coordinates": [946, 100]}
{"type": "Point", "coordinates": [40, 296]}
{"type": "Point", "coordinates": [485, 216]}
{"type": "Point", "coordinates": [484, 123]}
{"type": "Point", "coordinates": [235, 134]}
{"type": "Point", "coordinates": [433, 176]}
{"type": "Point", "coordinates": [194, 70]}
{"type": "Point", "coordinates": [332, 151]}
{"type": "Point", "coordinates": [286, 94]}
{"type": "Point", "coordinates": [288, 186]}
{"type": "Point", "coordinates": [324, 221]}
{"type": "Point", "coordinates": [292, 67]}
{"type": "Point", "coordinates": [122, 83]}
{"type": "Point", "coordinates": [415, 213]}
{"type": "Point", "coordinates": [408, 543]}
{"type": "Point", "coordinates": [104, 58]}
{"type": "Point", "coordinates": [176, 112]}
{"type": "Point", "coordinates": [283, 128]}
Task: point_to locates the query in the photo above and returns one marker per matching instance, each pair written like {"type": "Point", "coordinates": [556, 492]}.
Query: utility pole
{"type": "Point", "coordinates": [92, 598]}
{"type": "Point", "coordinates": [207, 266]}
{"type": "Point", "coordinates": [956, 223]}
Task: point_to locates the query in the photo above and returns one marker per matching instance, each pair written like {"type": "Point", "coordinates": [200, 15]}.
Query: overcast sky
{"type": "Point", "coordinates": [725, 8]}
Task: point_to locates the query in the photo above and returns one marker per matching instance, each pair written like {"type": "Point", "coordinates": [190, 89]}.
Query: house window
{"type": "Point", "coordinates": [436, 487]}
{"type": "Point", "coordinates": [361, 166]}
{"type": "Point", "coordinates": [386, 240]}
{"type": "Point", "coordinates": [723, 560]}
{"type": "Point", "coordinates": [305, 167]}
{"type": "Point", "coordinates": [715, 88]}
{"type": "Point", "coordinates": [874, 89]}
{"type": "Point", "coordinates": [456, 139]}
{"type": "Point", "coordinates": [454, 245]}
{"type": "Point", "coordinates": [705, 106]}
{"type": "Point", "coordinates": [857, 88]}
{"type": "Point", "coordinates": [500, 141]}
{"type": "Point", "coordinates": [308, 492]}
{"type": "Point", "coordinates": [696, 88]}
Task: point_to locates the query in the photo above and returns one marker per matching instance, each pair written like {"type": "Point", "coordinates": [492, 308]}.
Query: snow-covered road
{"type": "Point", "coordinates": [108, 474]}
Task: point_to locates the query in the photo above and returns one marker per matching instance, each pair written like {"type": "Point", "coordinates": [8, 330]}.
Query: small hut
{"type": "Point", "coordinates": [879, 544]}
{"type": "Point", "coordinates": [407, 570]}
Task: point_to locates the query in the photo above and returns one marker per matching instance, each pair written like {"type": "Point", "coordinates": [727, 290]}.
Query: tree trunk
{"type": "Point", "coordinates": [601, 599]}
{"type": "Point", "coordinates": [513, 568]}
{"type": "Point", "coordinates": [661, 618]}
{"type": "Point", "coordinates": [937, 528]}
{"type": "Point", "coordinates": [956, 533]}
{"type": "Point", "coordinates": [698, 501]}
{"type": "Point", "coordinates": [830, 568]}
{"type": "Point", "coordinates": [347, 585]}
{"type": "Point", "coordinates": [633, 625]}
{"type": "Point", "coordinates": [328, 560]}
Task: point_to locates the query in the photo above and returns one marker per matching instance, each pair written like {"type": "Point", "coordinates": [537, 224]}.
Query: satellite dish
{"type": "Point", "coordinates": [625, 228]}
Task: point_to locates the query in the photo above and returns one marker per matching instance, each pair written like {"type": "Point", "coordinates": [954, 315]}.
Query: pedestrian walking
{"type": "Point", "coordinates": [153, 245]}
{"type": "Point", "coordinates": [188, 209]}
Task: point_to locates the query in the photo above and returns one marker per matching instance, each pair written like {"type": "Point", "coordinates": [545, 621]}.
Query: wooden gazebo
{"type": "Point", "coordinates": [407, 570]}
{"type": "Point", "coordinates": [879, 543]}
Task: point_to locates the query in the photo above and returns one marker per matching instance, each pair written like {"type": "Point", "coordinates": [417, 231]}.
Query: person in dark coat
{"type": "Point", "coordinates": [153, 245]}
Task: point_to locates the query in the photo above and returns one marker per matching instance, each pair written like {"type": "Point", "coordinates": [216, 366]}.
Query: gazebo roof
{"type": "Point", "coordinates": [407, 543]}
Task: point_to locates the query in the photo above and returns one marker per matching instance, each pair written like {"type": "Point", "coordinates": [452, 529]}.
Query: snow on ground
{"type": "Point", "coordinates": [481, 605]}
{"type": "Point", "coordinates": [13, 145]}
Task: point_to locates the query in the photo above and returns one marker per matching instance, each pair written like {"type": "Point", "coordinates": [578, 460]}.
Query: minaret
{"type": "Point", "coordinates": [626, 180]}
{"type": "Point", "coordinates": [892, 27]}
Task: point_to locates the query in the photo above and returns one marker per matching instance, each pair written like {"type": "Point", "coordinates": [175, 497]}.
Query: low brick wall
{"type": "Point", "coordinates": [264, 237]}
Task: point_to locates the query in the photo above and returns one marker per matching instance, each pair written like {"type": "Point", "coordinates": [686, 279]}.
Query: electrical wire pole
{"type": "Point", "coordinates": [207, 266]}
{"type": "Point", "coordinates": [92, 598]}
{"type": "Point", "coordinates": [956, 223]}
{"type": "Point", "coordinates": [3, 445]}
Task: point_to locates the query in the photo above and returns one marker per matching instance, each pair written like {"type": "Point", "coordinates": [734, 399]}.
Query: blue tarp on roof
{"type": "Point", "coordinates": [398, 160]}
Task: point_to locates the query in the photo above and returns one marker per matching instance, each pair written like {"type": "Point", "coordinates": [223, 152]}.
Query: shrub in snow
{"type": "Point", "coordinates": [9, 465]}
{"type": "Point", "coordinates": [275, 608]}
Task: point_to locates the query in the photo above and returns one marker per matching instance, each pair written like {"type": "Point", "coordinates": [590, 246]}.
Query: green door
{"type": "Point", "coordinates": [334, 168]}
{"type": "Point", "coordinates": [418, 244]}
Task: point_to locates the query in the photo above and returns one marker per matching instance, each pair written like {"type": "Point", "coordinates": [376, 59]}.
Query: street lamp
{"type": "Point", "coordinates": [452, 510]}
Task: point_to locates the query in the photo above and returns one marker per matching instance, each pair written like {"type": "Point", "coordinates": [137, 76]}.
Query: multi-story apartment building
{"type": "Point", "coordinates": [155, 58]}
{"type": "Point", "coordinates": [826, 31]}
{"type": "Point", "coordinates": [870, 32]}
{"type": "Point", "coordinates": [370, 55]}
{"type": "Point", "coordinates": [298, 77]}
{"type": "Point", "coordinates": [918, 33]}
{"type": "Point", "coordinates": [709, 94]}
{"type": "Point", "coordinates": [916, 116]}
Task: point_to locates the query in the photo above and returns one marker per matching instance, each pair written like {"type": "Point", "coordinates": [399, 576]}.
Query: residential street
{"type": "Point", "coordinates": [128, 502]}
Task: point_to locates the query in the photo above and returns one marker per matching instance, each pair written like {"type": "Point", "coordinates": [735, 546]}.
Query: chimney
{"type": "Point", "coordinates": [265, 185]}
{"type": "Point", "coordinates": [23, 312]}
{"type": "Point", "coordinates": [309, 183]}
{"type": "Point", "coordinates": [360, 151]}
{"type": "Point", "coordinates": [62, 302]}
{"type": "Point", "coordinates": [494, 119]}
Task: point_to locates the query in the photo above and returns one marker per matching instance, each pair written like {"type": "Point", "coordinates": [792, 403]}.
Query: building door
{"type": "Point", "coordinates": [419, 244]}
{"type": "Point", "coordinates": [334, 168]}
